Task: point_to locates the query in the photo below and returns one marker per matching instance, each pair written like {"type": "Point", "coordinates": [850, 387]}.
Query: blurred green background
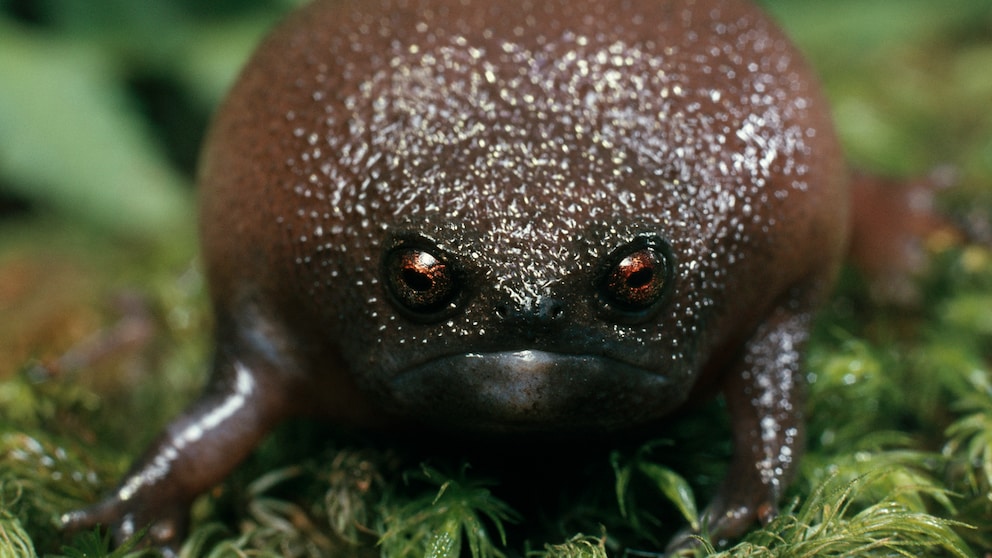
{"type": "Point", "coordinates": [103, 104]}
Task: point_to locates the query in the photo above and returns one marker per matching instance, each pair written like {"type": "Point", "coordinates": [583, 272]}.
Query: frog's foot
{"type": "Point", "coordinates": [164, 525]}
{"type": "Point", "coordinates": [723, 522]}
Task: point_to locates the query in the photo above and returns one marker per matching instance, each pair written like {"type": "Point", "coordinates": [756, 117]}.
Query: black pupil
{"type": "Point", "coordinates": [417, 280]}
{"type": "Point", "coordinates": [640, 278]}
{"type": "Point", "coordinates": [636, 281]}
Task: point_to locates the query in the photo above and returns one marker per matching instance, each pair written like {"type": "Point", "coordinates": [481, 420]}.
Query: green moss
{"type": "Point", "coordinates": [830, 522]}
{"type": "Point", "coordinates": [579, 546]}
{"type": "Point", "coordinates": [462, 512]}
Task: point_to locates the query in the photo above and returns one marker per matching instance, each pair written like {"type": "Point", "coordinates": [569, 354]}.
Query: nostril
{"type": "Point", "coordinates": [503, 311]}
{"type": "Point", "coordinates": [550, 309]}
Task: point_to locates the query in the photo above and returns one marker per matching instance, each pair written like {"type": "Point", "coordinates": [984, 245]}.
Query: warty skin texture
{"type": "Point", "coordinates": [529, 149]}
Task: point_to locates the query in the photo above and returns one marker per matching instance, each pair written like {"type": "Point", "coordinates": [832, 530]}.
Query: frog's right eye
{"type": "Point", "coordinates": [419, 280]}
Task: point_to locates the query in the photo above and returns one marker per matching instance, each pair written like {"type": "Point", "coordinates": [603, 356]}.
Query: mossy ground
{"type": "Point", "coordinates": [104, 326]}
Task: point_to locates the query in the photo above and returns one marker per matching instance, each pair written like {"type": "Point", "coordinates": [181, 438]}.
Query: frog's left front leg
{"type": "Point", "coordinates": [765, 396]}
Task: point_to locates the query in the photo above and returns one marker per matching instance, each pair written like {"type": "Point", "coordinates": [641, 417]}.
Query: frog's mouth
{"type": "Point", "coordinates": [532, 391]}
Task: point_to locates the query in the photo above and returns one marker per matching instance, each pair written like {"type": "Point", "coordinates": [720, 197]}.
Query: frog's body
{"type": "Point", "coordinates": [570, 215]}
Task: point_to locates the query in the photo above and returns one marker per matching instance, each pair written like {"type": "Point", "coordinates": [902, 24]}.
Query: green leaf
{"type": "Point", "coordinates": [672, 485]}
{"type": "Point", "coordinates": [675, 488]}
{"type": "Point", "coordinates": [70, 139]}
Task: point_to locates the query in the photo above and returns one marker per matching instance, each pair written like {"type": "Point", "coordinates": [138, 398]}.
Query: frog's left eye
{"type": "Point", "coordinates": [420, 280]}
{"type": "Point", "coordinates": [637, 275]}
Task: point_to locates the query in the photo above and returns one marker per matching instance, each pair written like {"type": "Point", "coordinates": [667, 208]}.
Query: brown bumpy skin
{"type": "Point", "coordinates": [515, 217]}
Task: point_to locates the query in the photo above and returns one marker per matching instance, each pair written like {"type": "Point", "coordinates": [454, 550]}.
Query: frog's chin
{"type": "Point", "coordinates": [527, 390]}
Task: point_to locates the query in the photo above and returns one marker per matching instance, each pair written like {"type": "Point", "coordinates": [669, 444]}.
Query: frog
{"type": "Point", "coordinates": [510, 218]}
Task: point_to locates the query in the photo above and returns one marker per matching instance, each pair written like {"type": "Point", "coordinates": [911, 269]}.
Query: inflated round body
{"type": "Point", "coordinates": [515, 216]}
{"type": "Point", "coordinates": [526, 146]}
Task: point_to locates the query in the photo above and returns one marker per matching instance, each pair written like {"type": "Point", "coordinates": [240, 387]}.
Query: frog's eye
{"type": "Point", "coordinates": [419, 280]}
{"type": "Point", "coordinates": [637, 275]}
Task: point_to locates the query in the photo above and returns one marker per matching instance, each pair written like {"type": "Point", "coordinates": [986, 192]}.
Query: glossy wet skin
{"type": "Point", "coordinates": [561, 217]}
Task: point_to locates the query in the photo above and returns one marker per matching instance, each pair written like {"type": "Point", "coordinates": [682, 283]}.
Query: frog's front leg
{"type": "Point", "coordinates": [194, 453]}
{"type": "Point", "coordinates": [765, 397]}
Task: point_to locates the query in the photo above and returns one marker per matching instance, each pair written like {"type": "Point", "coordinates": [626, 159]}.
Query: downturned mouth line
{"type": "Point", "coordinates": [529, 354]}
{"type": "Point", "coordinates": [528, 357]}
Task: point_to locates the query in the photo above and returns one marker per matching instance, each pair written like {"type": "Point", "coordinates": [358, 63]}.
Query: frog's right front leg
{"type": "Point", "coordinates": [195, 452]}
